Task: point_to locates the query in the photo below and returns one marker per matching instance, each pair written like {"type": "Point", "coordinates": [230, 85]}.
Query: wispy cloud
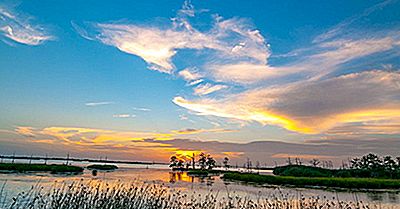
{"type": "Point", "coordinates": [338, 29]}
{"type": "Point", "coordinates": [124, 116]}
{"type": "Point", "coordinates": [207, 88]}
{"type": "Point", "coordinates": [190, 74]}
{"type": "Point", "coordinates": [19, 28]}
{"type": "Point", "coordinates": [198, 131]}
{"type": "Point", "coordinates": [157, 46]}
{"type": "Point", "coordinates": [141, 109]}
{"type": "Point", "coordinates": [93, 104]}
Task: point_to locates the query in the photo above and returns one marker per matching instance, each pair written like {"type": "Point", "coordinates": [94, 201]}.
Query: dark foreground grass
{"type": "Point", "coordinates": [102, 167]}
{"type": "Point", "coordinates": [140, 195]}
{"type": "Point", "coordinates": [354, 183]}
{"type": "Point", "coordinates": [53, 168]}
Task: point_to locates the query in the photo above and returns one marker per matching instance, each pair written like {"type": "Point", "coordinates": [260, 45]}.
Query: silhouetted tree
{"type": "Point", "coordinates": [210, 162]}
{"type": "Point", "coordinates": [173, 162]}
{"type": "Point", "coordinates": [289, 161]}
{"type": "Point", "coordinates": [202, 160]}
{"type": "Point", "coordinates": [226, 162]}
{"type": "Point", "coordinates": [298, 161]}
{"type": "Point", "coordinates": [315, 162]}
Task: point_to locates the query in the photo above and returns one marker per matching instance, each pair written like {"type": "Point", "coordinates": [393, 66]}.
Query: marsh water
{"type": "Point", "coordinates": [11, 184]}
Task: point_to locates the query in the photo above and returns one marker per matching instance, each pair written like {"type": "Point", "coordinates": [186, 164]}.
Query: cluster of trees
{"type": "Point", "coordinates": [373, 162]}
{"type": "Point", "coordinates": [367, 166]}
{"type": "Point", "coordinates": [205, 161]}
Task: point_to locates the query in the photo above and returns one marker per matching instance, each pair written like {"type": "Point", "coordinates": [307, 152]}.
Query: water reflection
{"type": "Point", "coordinates": [182, 176]}
{"type": "Point", "coordinates": [17, 182]}
{"type": "Point", "coordinates": [176, 176]}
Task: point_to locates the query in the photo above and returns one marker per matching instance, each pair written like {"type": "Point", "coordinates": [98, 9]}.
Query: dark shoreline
{"type": "Point", "coordinates": [312, 182]}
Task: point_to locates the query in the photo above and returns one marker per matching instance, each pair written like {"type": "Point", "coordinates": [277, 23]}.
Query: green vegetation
{"type": "Point", "coordinates": [361, 183]}
{"type": "Point", "coordinates": [368, 166]}
{"type": "Point", "coordinates": [102, 167]}
{"type": "Point", "coordinates": [143, 195]}
{"type": "Point", "coordinates": [303, 171]}
{"type": "Point", "coordinates": [21, 167]}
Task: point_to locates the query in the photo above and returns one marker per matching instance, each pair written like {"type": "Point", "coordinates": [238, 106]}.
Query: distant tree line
{"type": "Point", "coordinates": [367, 166]}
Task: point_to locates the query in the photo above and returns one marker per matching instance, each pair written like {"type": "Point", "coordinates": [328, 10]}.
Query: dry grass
{"type": "Point", "coordinates": [97, 194]}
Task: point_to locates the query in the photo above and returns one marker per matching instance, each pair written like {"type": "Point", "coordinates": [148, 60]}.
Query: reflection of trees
{"type": "Point", "coordinates": [180, 176]}
{"type": "Point", "coordinates": [183, 177]}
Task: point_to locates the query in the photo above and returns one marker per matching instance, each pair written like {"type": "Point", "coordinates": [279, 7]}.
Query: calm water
{"type": "Point", "coordinates": [16, 183]}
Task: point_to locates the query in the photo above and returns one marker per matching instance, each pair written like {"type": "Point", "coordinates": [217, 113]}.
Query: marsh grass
{"type": "Point", "coordinates": [53, 168]}
{"type": "Point", "coordinates": [98, 194]}
{"type": "Point", "coordinates": [330, 182]}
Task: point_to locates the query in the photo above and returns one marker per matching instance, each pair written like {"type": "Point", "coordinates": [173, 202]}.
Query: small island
{"type": "Point", "coordinates": [102, 167]}
{"type": "Point", "coordinates": [52, 168]}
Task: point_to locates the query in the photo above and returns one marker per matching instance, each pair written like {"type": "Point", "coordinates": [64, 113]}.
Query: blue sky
{"type": "Point", "coordinates": [80, 75]}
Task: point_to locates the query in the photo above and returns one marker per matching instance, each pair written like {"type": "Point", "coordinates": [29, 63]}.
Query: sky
{"type": "Point", "coordinates": [144, 80]}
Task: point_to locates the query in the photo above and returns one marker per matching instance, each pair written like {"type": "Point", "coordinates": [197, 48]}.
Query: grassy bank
{"type": "Point", "coordinates": [309, 171]}
{"type": "Point", "coordinates": [102, 167]}
{"type": "Point", "coordinates": [22, 167]}
{"type": "Point", "coordinates": [361, 183]}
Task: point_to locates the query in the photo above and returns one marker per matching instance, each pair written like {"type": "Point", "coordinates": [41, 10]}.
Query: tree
{"type": "Point", "coordinates": [315, 162]}
{"type": "Point", "coordinates": [289, 161]}
{"type": "Point", "coordinates": [370, 161]}
{"type": "Point", "coordinates": [210, 162]}
{"type": "Point", "coordinates": [180, 164]}
{"type": "Point", "coordinates": [389, 164]}
{"type": "Point", "coordinates": [202, 160]}
{"type": "Point", "coordinates": [226, 162]}
{"type": "Point", "coordinates": [298, 161]}
{"type": "Point", "coordinates": [173, 162]}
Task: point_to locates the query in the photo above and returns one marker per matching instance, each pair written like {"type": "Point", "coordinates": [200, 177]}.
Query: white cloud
{"type": "Point", "coordinates": [141, 109]}
{"type": "Point", "coordinates": [124, 116]}
{"type": "Point", "coordinates": [157, 46]}
{"type": "Point", "coordinates": [243, 73]}
{"type": "Point", "coordinates": [18, 27]}
{"type": "Point", "coordinates": [93, 104]}
{"type": "Point", "coordinates": [204, 89]}
{"type": "Point", "coordinates": [190, 74]}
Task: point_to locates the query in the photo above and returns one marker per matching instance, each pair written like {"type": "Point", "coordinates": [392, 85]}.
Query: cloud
{"type": "Point", "coordinates": [315, 89]}
{"type": "Point", "coordinates": [208, 88]}
{"type": "Point", "coordinates": [337, 30]}
{"type": "Point", "coordinates": [230, 39]}
{"type": "Point", "coordinates": [310, 107]}
{"type": "Point", "coordinates": [190, 74]}
{"type": "Point", "coordinates": [124, 116]}
{"type": "Point", "coordinates": [18, 27]}
{"type": "Point", "coordinates": [141, 109]}
{"type": "Point", "coordinates": [93, 104]}
{"type": "Point", "coordinates": [242, 73]}
{"type": "Point", "coordinates": [197, 131]}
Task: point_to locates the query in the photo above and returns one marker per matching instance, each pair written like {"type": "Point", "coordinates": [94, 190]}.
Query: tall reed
{"type": "Point", "coordinates": [99, 194]}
